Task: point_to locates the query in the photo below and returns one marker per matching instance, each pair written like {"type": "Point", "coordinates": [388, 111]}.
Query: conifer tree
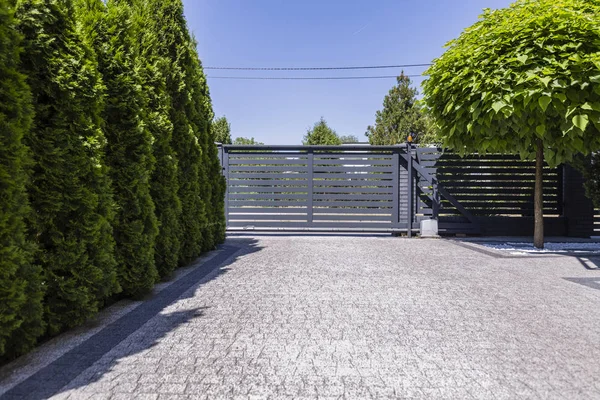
{"type": "Point", "coordinates": [20, 279]}
{"type": "Point", "coordinates": [69, 190]}
{"type": "Point", "coordinates": [129, 142]}
{"type": "Point", "coordinates": [154, 70]}
{"type": "Point", "coordinates": [185, 115]}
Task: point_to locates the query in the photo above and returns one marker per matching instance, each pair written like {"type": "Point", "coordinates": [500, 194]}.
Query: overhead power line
{"type": "Point", "coordinates": [319, 68]}
{"type": "Point", "coordinates": [307, 78]}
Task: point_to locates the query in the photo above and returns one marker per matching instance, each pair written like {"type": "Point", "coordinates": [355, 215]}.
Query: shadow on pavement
{"type": "Point", "coordinates": [60, 374]}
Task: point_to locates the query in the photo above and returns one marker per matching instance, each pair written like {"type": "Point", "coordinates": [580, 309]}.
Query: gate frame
{"type": "Point", "coordinates": [403, 152]}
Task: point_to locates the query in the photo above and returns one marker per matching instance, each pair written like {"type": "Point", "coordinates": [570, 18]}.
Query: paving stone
{"type": "Point", "coordinates": [353, 318]}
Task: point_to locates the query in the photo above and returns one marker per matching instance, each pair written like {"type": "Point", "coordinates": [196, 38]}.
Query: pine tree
{"type": "Point", "coordinates": [400, 117]}
{"type": "Point", "coordinates": [70, 190]}
{"type": "Point", "coordinates": [21, 290]}
{"type": "Point", "coordinates": [321, 134]}
{"type": "Point", "coordinates": [154, 69]}
{"type": "Point", "coordinates": [129, 157]}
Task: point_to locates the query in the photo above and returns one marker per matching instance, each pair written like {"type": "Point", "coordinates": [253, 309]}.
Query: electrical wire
{"type": "Point", "coordinates": [307, 78]}
{"type": "Point", "coordinates": [319, 68]}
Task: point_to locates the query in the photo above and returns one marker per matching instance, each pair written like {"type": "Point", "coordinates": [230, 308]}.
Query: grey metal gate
{"type": "Point", "coordinates": [335, 188]}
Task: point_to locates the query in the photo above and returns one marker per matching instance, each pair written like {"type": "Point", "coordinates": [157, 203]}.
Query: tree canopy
{"type": "Point", "coordinates": [348, 139]}
{"type": "Point", "coordinates": [221, 129]}
{"type": "Point", "coordinates": [400, 117]}
{"type": "Point", "coordinates": [524, 79]}
{"type": "Point", "coordinates": [527, 72]}
{"type": "Point", "coordinates": [321, 134]}
{"type": "Point", "coordinates": [246, 142]}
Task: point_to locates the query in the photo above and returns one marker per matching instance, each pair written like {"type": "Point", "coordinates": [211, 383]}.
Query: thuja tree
{"type": "Point", "coordinates": [525, 79]}
{"type": "Point", "coordinates": [20, 279]}
{"type": "Point", "coordinates": [69, 190]}
{"type": "Point", "coordinates": [400, 117]}
{"type": "Point", "coordinates": [214, 185]}
{"type": "Point", "coordinates": [184, 113]}
{"type": "Point", "coordinates": [321, 134]}
{"type": "Point", "coordinates": [129, 142]}
{"type": "Point", "coordinates": [164, 184]}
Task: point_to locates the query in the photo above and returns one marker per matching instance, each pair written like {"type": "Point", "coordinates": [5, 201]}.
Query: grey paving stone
{"type": "Point", "coordinates": [356, 318]}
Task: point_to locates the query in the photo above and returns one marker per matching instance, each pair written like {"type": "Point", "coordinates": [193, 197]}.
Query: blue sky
{"type": "Point", "coordinates": [313, 33]}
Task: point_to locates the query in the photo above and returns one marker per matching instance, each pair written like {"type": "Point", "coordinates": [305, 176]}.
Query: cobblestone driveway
{"type": "Point", "coordinates": [338, 317]}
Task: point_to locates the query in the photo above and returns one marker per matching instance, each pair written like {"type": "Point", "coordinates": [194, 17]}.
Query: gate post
{"type": "Point", "coordinates": [410, 179]}
{"type": "Point", "coordinates": [395, 187]}
{"type": "Point", "coordinates": [310, 163]}
{"type": "Point", "coordinates": [225, 169]}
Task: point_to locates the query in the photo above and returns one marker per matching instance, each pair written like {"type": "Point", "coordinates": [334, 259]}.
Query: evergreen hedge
{"type": "Point", "coordinates": [109, 174]}
{"type": "Point", "coordinates": [21, 288]}
{"type": "Point", "coordinates": [129, 142]}
{"type": "Point", "coordinates": [154, 69]}
{"type": "Point", "coordinates": [70, 189]}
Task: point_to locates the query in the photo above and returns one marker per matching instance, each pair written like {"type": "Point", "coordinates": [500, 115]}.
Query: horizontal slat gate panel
{"type": "Point", "coordinates": [267, 175]}
{"type": "Point", "coordinates": [267, 210]}
{"type": "Point", "coordinates": [329, 210]}
{"type": "Point", "coordinates": [270, 189]}
{"type": "Point", "coordinates": [597, 221]}
{"type": "Point", "coordinates": [353, 217]}
{"type": "Point", "coordinates": [266, 168]}
{"type": "Point", "coordinates": [262, 196]}
{"type": "Point", "coordinates": [353, 183]}
{"type": "Point", "coordinates": [270, 182]}
{"type": "Point", "coordinates": [344, 197]}
{"type": "Point", "coordinates": [269, 217]}
{"type": "Point", "coordinates": [348, 169]}
{"type": "Point", "coordinates": [250, 203]}
{"type": "Point", "coordinates": [233, 163]}
{"type": "Point", "coordinates": [487, 184]}
{"type": "Point", "coordinates": [352, 190]}
{"type": "Point", "coordinates": [356, 162]}
{"type": "Point", "coordinates": [367, 178]}
{"type": "Point", "coordinates": [315, 224]}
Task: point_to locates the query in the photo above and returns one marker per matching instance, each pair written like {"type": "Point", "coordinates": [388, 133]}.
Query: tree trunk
{"type": "Point", "coordinates": [538, 201]}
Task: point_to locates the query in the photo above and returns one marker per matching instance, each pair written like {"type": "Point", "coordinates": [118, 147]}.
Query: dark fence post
{"type": "Point", "coordinates": [410, 189]}
{"type": "Point", "coordinates": [310, 166]}
{"type": "Point", "coordinates": [225, 169]}
{"type": "Point", "coordinates": [578, 208]}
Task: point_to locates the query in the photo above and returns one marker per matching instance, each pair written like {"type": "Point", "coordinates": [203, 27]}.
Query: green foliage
{"type": "Point", "coordinates": [129, 156]}
{"type": "Point", "coordinates": [346, 139]}
{"type": "Point", "coordinates": [154, 69]}
{"type": "Point", "coordinates": [21, 288]}
{"type": "Point", "coordinates": [321, 134]}
{"type": "Point", "coordinates": [400, 117]}
{"type": "Point", "coordinates": [190, 112]}
{"type": "Point", "coordinates": [221, 129]}
{"type": "Point", "coordinates": [247, 142]}
{"type": "Point", "coordinates": [69, 190]}
{"type": "Point", "coordinates": [525, 72]}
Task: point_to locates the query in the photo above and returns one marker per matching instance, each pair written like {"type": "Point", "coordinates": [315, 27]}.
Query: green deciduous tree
{"type": "Point", "coordinates": [21, 289]}
{"type": "Point", "coordinates": [109, 29]}
{"type": "Point", "coordinates": [523, 79]}
{"type": "Point", "coordinates": [400, 117]}
{"type": "Point", "coordinates": [221, 129]}
{"type": "Point", "coordinates": [321, 134]}
{"type": "Point", "coordinates": [247, 142]}
{"type": "Point", "coordinates": [69, 190]}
